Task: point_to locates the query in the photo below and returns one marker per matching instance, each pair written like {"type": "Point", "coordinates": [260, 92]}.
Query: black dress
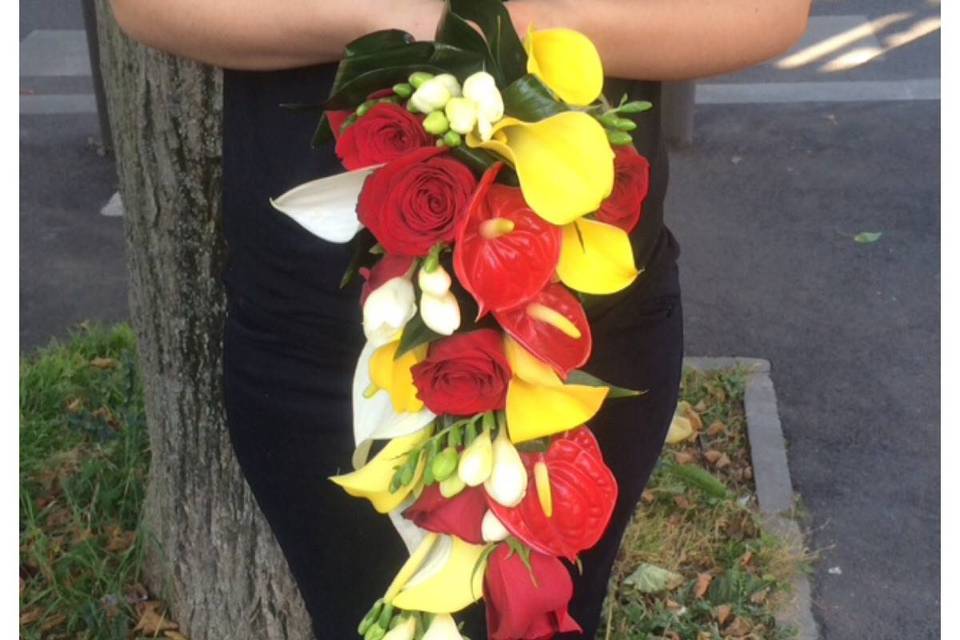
{"type": "Point", "coordinates": [293, 337]}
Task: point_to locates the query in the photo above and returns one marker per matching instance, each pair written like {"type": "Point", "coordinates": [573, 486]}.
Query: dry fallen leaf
{"type": "Point", "coordinates": [53, 622]}
{"type": "Point", "coordinates": [716, 428]}
{"type": "Point", "coordinates": [680, 430]}
{"type": "Point", "coordinates": [30, 616]}
{"type": "Point", "coordinates": [648, 497]}
{"type": "Point", "coordinates": [683, 503]}
{"type": "Point", "coordinates": [151, 621]}
{"type": "Point", "coordinates": [174, 635]}
{"type": "Point", "coordinates": [105, 363]}
{"type": "Point", "coordinates": [704, 635]}
{"type": "Point", "coordinates": [683, 457]}
{"type": "Point", "coordinates": [75, 405]}
{"type": "Point", "coordinates": [760, 596]}
{"type": "Point", "coordinates": [722, 613]}
{"type": "Point", "coordinates": [684, 409]}
{"type": "Point", "coordinates": [700, 407]}
{"type": "Point", "coordinates": [722, 462]}
{"type": "Point", "coordinates": [120, 540]}
{"type": "Point", "coordinates": [738, 627]}
{"type": "Point", "coordinates": [712, 455]}
{"type": "Point", "coordinates": [746, 558]}
{"type": "Point", "coordinates": [748, 473]}
{"type": "Point", "coordinates": [703, 583]}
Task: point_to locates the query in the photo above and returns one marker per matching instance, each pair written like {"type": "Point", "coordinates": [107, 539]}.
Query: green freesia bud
{"type": "Point", "coordinates": [365, 107]}
{"type": "Point", "coordinates": [452, 139]}
{"type": "Point", "coordinates": [404, 89]}
{"type": "Point", "coordinates": [436, 123]}
{"type": "Point", "coordinates": [452, 486]}
{"type": "Point", "coordinates": [371, 617]}
{"type": "Point", "coordinates": [374, 633]}
{"type": "Point", "coordinates": [625, 124]}
{"type": "Point", "coordinates": [609, 120]}
{"type": "Point", "coordinates": [637, 106]}
{"type": "Point", "coordinates": [445, 463]}
{"type": "Point", "coordinates": [619, 138]}
{"type": "Point", "coordinates": [418, 78]}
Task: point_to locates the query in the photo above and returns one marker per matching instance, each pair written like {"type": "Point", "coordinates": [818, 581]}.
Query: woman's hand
{"type": "Point", "coordinates": [648, 39]}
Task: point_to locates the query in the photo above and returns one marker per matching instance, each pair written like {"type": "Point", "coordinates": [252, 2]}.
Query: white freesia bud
{"type": "Point", "coordinates": [451, 83]}
{"type": "Point", "coordinates": [476, 461]}
{"type": "Point", "coordinates": [432, 95]}
{"type": "Point", "coordinates": [485, 129]}
{"type": "Point", "coordinates": [440, 313]}
{"type": "Point", "coordinates": [481, 88]}
{"type": "Point", "coordinates": [388, 308]}
{"type": "Point", "coordinates": [492, 529]}
{"type": "Point", "coordinates": [403, 631]}
{"type": "Point", "coordinates": [442, 627]}
{"type": "Point", "coordinates": [436, 282]}
{"type": "Point", "coordinates": [507, 483]}
{"type": "Point", "coordinates": [462, 114]}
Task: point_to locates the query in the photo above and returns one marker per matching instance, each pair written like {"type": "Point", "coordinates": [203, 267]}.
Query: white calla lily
{"type": "Point", "coordinates": [440, 313]}
{"type": "Point", "coordinates": [406, 630]}
{"type": "Point", "coordinates": [442, 627]}
{"type": "Point", "coordinates": [507, 483]}
{"type": "Point", "coordinates": [387, 310]}
{"type": "Point", "coordinates": [327, 207]}
{"type": "Point", "coordinates": [374, 417]}
{"type": "Point", "coordinates": [492, 529]}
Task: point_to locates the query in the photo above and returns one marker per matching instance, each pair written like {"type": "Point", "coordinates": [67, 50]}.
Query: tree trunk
{"type": "Point", "coordinates": [212, 555]}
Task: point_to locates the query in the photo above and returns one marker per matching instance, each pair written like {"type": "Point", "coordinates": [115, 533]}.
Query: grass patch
{"type": "Point", "coordinates": [83, 464]}
{"type": "Point", "coordinates": [695, 563]}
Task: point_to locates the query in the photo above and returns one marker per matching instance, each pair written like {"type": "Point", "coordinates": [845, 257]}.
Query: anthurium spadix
{"type": "Point", "coordinates": [444, 575]}
{"type": "Point", "coordinates": [564, 162]}
{"type": "Point", "coordinates": [596, 258]}
{"type": "Point", "coordinates": [326, 207]}
{"type": "Point", "coordinates": [372, 480]}
{"type": "Point", "coordinates": [374, 414]}
{"type": "Point", "coordinates": [567, 62]}
{"type": "Point", "coordinates": [539, 404]}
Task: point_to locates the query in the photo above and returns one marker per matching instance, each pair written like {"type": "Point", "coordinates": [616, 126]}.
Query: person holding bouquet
{"type": "Point", "coordinates": [506, 231]}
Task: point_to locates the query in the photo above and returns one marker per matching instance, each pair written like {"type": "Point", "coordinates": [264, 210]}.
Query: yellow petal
{"type": "Point", "coordinates": [443, 579]}
{"type": "Point", "coordinates": [567, 62]}
{"type": "Point", "coordinates": [528, 367]}
{"type": "Point", "coordinates": [680, 430]}
{"type": "Point", "coordinates": [535, 411]}
{"type": "Point", "coordinates": [372, 481]}
{"type": "Point", "coordinates": [598, 259]}
{"type": "Point", "coordinates": [564, 162]}
{"type": "Point", "coordinates": [393, 374]}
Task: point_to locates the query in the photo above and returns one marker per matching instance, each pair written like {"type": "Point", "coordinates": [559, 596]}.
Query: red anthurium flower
{"type": "Point", "coordinates": [387, 268]}
{"type": "Point", "coordinates": [505, 253]}
{"type": "Point", "coordinates": [624, 207]}
{"type": "Point", "coordinates": [527, 603]}
{"type": "Point", "coordinates": [552, 326]}
{"type": "Point", "coordinates": [460, 515]}
{"type": "Point", "coordinates": [572, 483]}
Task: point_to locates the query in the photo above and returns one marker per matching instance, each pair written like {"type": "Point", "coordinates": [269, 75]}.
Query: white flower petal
{"type": "Point", "coordinates": [327, 207]}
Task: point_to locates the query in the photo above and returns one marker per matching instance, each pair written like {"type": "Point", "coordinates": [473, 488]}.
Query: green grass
{"type": "Point", "coordinates": [83, 463]}
{"type": "Point", "coordinates": [708, 539]}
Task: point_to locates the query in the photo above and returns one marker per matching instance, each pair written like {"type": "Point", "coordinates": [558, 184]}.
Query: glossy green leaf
{"type": "Point", "coordinates": [415, 333]}
{"type": "Point", "coordinates": [377, 41]}
{"type": "Point", "coordinates": [457, 32]}
{"type": "Point", "coordinates": [479, 160]}
{"type": "Point", "coordinates": [584, 378]}
{"type": "Point", "coordinates": [528, 99]}
{"type": "Point", "coordinates": [502, 40]}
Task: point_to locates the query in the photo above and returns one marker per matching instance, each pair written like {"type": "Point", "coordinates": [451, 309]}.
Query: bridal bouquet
{"type": "Point", "coordinates": [489, 184]}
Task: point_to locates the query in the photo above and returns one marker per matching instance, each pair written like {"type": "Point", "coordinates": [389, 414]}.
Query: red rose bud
{"type": "Point", "coordinates": [461, 515]}
{"type": "Point", "coordinates": [387, 268]}
{"type": "Point", "coordinates": [624, 207]}
{"type": "Point", "coordinates": [464, 374]}
{"type": "Point", "coordinates": [505, 253]}
{"type": "Point", "coordinates": [527, 603]}
{"type": "Point", "coordinates": [575, 484]}
{"type": "Point", "coordinates": [415, 201]}
{"type": "Point", "coordinates": [552, 326]}
{"type": "Point", "coordinates": [386, 132]}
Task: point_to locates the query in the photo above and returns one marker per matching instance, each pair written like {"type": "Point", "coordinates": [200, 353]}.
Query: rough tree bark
{"type": "Point", "coordinates": [214, 559]}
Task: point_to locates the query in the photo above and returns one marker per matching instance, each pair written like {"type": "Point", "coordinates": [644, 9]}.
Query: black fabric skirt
{"type": "Point", "coordinates": [287, 392]}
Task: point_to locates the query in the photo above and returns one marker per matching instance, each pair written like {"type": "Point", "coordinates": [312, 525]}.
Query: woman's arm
{"type": "Point", "coordinates": [650, 39]}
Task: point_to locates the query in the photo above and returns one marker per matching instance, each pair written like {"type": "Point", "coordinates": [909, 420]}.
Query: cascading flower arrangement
{"type": "Point", "coordinates": [488, 184]}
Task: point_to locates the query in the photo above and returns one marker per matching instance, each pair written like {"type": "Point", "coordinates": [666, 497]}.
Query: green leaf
{"type": "Point", "coordinates": [323, 134]}
{"type": "Point", "coordinates": [502, 40]}
{"type": "Point", "coordinates": [528, 99]}
{"type": "Point", "coordinates": [582, 377]}
{"type": "Point", "coordinates": [698, 478]}
{"type": "Point", "coordinates": [867, 237]}
{"type": "Point", "coordinates": [415, 334]}
{"type": "Point", "coordinates": [649, 578]}
{"type": "Point", "coordinates": [362, 243]}
{"type": "Point", "coordinates": [479, 160]}
{"type": "Point", "coordinates": [377, 41]}
{"type": "Point", "coordinates": [457, 32]}
{"type": "Point", "coordinates": [522, 550]}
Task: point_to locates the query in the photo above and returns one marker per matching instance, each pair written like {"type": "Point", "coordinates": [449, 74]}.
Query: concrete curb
{"type": "Point", "coordinates": [771, 475]}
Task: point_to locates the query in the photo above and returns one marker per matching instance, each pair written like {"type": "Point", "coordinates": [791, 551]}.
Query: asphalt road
{"type": "Point", "coordinates": [765, 205]}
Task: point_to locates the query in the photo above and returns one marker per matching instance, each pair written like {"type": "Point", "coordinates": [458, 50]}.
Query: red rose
{"type": "Point", "coordinates": [415, 201]}
{"type": "Point", "coordinates": [464, 374]}
{"type": "Point", "coordinates": [624, 207]}
{"type": "Point", "coordinates": [460, 515]}
{"type": "Point", "coordinates": [388, 268]}
{"type": "Point", "coordinates": [521, 606]}
{"type": "Point", "coordinates": [384, 133]}
{"type": "Point", "coordinates": [505, 253]}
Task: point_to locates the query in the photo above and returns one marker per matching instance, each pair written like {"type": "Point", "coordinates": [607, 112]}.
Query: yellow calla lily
{"type": "Point", "coordinates": [596, 257]}
{"type": "Point", "coordinates": [567, 62]}
{"type": "Point", "coordinates": [372, 481]}
{"type": "Point", "coordinates": [539, 404]}
{"type": "Point", "coordinates": [564, 162]}
{"type": "Point", "coordinates": [441, 576]}
{"type": "Point", "coordinates": [393, 374]}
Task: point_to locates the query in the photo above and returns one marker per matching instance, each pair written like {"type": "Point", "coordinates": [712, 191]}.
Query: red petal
{"type": "Point", "coordinates": [545, 341]}
{"type": "Point", "coordinates": [505, 271]}
{"type": "Point", "coordinates": [460, 515]}
{"type": "Point", "coordinates": [389, 267]}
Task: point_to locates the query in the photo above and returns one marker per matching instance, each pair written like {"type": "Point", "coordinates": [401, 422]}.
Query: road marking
{"type": "Point", "coordinates": [840, 91]}
{"type": "Point", "coordinates": [55, 52]}
{"type": "Point", "coordinates": [47, 104]}
{"type": "Point", "coordinates": [826, 35]}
